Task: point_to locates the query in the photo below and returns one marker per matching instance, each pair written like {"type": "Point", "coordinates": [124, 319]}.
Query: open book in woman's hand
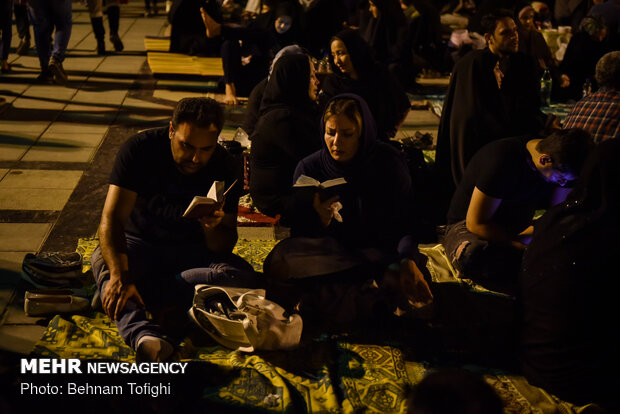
{"type": "Point", "coordinates": [326, 189]}
{"type": "Point", "coordinates": [206, 206]}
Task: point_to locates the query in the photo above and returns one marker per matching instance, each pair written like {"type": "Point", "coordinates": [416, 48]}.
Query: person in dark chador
{"type": "Point", "coordinates": [493, 93]}
{"type": "Point", "coordinates": [355, 71]}
{"type": "Point", "coordinates": [386, 30]}
{"type": "Point", "coordinates": [150, 256]}
{"type": "Point", "coordinates": [584, 50]}
{"type": "Point", "coordinates": [569, 289]}
{"type": "Point", "coordinates": [286, 132]}
{"type": "Point", "coordinates": [252, 111]}
{"type": "Point", "coordinates": [491, 213]}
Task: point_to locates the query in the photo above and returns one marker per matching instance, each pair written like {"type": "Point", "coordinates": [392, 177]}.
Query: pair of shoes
{"type": "Point", "coordinates": [40, 305]}
{"type": "Point", "coordinates": [153, 349]}
{"type": "Point", "coordinates": [24, 46]}
{"type": "Point", "coordinates": [53, 269]}
{"type": "Point", "coordinates": [55, 66]}
{"type": "Point", "coordinates": [116, 41]}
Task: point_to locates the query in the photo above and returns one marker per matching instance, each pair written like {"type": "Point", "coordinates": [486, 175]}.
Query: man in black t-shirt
{"type": "Point", "coordinates": [145, 241]}
{"type": "Point", "coordinates": [490, 216]}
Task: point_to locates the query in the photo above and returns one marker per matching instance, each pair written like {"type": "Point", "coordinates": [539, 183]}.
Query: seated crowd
{"type": "Point", "coordinates": [499, 160]}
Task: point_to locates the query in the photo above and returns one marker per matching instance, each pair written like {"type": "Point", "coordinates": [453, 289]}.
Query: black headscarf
{"type": "Point", "coordinates": [386, 34]}
{"type": "Point", "coordinates": [368, 143]}
{"type": "Point", "coordinates": [288, 84]}
{"type": "Point", "coordinates": [384, 95]}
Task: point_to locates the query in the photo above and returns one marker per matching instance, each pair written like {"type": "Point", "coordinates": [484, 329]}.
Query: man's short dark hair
{"type": "Point", "coordinates": [202, 112]}
{"type": "Point", "coordinates": [568, 149]}
{"type": "Point", "coordinates": [608, 70]}
{"type": "Point", "coordinates": [489, 22]}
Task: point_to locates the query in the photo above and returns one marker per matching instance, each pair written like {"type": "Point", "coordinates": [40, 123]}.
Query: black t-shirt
{"type": "Point", "coordinates": [145, 165]}
{"type": "Point", "coordinates": [502, 170]}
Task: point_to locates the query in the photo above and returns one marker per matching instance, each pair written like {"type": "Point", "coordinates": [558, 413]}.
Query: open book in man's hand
{"type": "Point", "coordinates": [326, 189]}
{"type": "Point", "coordinates": [206, 206]}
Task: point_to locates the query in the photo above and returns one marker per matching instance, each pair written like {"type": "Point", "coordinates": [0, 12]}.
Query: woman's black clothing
{"type": "Point", "coordinates": [384, 95]}
{"type": "Point", "coordinates": [286, 131]}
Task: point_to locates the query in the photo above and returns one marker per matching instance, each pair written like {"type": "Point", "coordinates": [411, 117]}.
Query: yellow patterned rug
{"type": "Point", "coordinates": [327, 375]}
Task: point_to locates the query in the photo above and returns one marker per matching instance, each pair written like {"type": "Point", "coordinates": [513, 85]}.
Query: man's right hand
{"type": "Point", "coordinates": [116, 295]}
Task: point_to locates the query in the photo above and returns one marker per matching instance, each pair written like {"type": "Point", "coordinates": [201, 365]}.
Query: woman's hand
{"type": "Point", "coordinates": [325, 209]}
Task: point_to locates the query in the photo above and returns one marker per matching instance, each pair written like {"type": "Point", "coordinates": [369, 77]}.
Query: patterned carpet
{"type": "Point", "coordinates": [325, 374]}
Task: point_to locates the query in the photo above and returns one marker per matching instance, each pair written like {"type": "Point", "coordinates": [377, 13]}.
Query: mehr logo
{"type": "Point", "coordinates": [50, 366]}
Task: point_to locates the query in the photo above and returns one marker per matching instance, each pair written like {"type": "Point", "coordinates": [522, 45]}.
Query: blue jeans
{"type": "Point", "coordinates": [45, 15]}
{"type": "Point", "coordinates": [165, 276]}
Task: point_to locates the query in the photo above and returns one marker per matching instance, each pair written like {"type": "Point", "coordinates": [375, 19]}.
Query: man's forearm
{"type": "Point", "coordinates": [114, 249]}
{"type": "Point", "coordinates": [493, 232]}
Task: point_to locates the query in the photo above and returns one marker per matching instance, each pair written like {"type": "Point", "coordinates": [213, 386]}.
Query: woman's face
{"type": "Point", "coordinates": [527, 20]}
{"type": "Point", "coordinates": [374, 10]}
{"type": "Point", "coordinates": [342, 137]}
{"type": "Point", "coordinates": [342, 58]}
{"type": "Point", "coordinates": [313, 88]}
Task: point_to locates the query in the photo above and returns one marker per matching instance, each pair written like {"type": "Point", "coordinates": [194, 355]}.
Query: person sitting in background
{"type": "Point", "coordinates": [252, 111]}
{"type": "Point", "coordinates": [356, 71]}
{"type": "Point", "coordinates": [187, 30]}
{"type": "Point", "coordinates": [599, 112]}
{"type": "Point", "coordinates": [246, 51]}
{"type": "Point", "coordinates": [584, 50]}
{"type": "Point", "coordinates": [493, 94]}
{"type": "Point", "coordinates": [490, 216]}
{"type": "Point", "coordinates": [385, 29]}
{"type": "Point", "coordinates": [532, 43]}
{"type": "Point", "coordinates": [286, 132]}
{"type": "Point", "coordinates": [569, 289]}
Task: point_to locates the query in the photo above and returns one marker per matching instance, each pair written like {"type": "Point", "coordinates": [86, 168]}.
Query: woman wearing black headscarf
{"type": "Point", "coordinates": [356, 71]}
{"type": "Point", "coordinates": [386, 30]}
{"type": "Point", "coordinates": [286, 132]}
{"type": "Point", "coordinates": [569, 286]}
{"type": "Point", "coordinates": [375, 198]}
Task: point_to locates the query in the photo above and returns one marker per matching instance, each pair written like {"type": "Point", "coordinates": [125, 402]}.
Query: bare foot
{"type": "Point", "coordinates": [213, 28]}
{"type": "Point", "coordinates": [414, 286]}
{"type": "Point", "coordinates": [231, 95]}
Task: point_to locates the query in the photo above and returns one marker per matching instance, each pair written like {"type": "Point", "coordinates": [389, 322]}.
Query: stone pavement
{"type": "Point", "coordinates": [57, 146]}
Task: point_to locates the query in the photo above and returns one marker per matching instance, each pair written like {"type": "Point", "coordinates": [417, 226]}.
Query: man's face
{"type": "Point", "coordinates": [555, 176]}
{"type": "Point", "coordinates": [505, 39]}
{"type": "Point", "coordinates": [192, 146]}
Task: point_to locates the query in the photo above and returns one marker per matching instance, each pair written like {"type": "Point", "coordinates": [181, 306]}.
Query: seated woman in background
{"type": "Point", "coordinates": [569, 287]}
{"type": "Point", "coordinates": [256, 96]}
{"type": "Point", "coordinates": [286, 131]}
{"type": "Point", "coordinates": [354, 234]}
{"type": "Point", "coordinates": [356, 71]}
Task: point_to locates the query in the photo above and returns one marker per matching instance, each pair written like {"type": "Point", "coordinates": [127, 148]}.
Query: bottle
{"type": "Point", "coordinates": [545, 88]}
{"type": "Point", "coordinates": [587, 88]}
